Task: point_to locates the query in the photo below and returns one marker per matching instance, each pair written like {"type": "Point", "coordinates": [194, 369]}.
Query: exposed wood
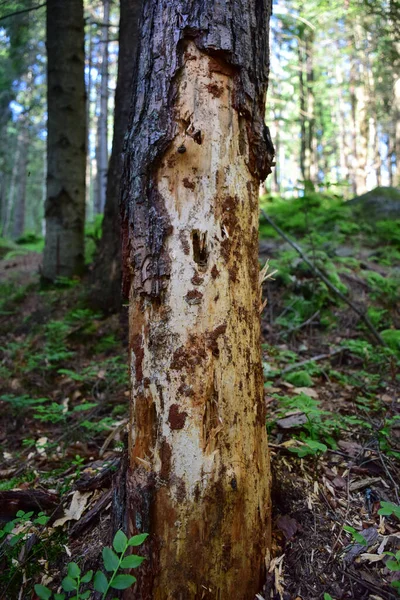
{"type": "Point", "coordinates": [199, 476]}
{"type": "Point", "coordinates": [92, 515]}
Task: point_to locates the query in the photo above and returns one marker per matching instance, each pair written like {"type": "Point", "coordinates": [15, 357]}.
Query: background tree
{"type": "Point", "coordinates": [107, 270]}
{"type": "Point", "coordinates": [102, 120]}
{"type": "Point", "coordinates": [197, 150]}
{"type": "Point", "coordinates": [66, 142]}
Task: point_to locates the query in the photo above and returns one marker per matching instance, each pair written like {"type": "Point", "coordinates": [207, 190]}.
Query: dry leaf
{"type": "Point", "coordinates": [372, 558]}
{"type": "Point", "coordinates": [74, 512]}
{"type": "Point", "coordinates": [307, 391]}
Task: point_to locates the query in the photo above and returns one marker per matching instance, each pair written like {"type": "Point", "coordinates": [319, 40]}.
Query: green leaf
{"type": "Point", "coordinates": [360, 539]}
{"type": "Point", "coordinates": [14, 540]}
{"type": "Point", "coordinates": [327, 597]}
{"type": "Point", "coordinates": [73, 570]}
{"type": "Point", "coordinates": [136, 540]}
{"type": "Point", "coordinates": [110, 559]}
{"type": "Point", "coordinates": [120, 541]}
{"type": "Point", "coordinates": [393, 565]}
{"type": "Point", "coordinates": [388, 508]}
{"type": "Point", "coordinates": [59, 596]}
{"type": "Point", "coordinates": [20, 514]}
{"type": "Point", "coordinates": [100, 582]}
{"type": "Point", "coordinates": [85, 595]}
{"type": "Point", "coordinates": [69, 584]}
{"type": "Point", "coordinates": [87, 577]}
{"type": "Point", "coordinates": [349, 529]}
{"type": "Point", "coordinates": [42, 520]}
{"type": "Point", "coordinates": [122, 582]}
{"type": "Point", "coordinates": [43, 592]}
{"type": "Point", "coordinates": [132, 561]}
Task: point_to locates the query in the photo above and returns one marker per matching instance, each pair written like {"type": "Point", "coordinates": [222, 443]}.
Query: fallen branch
{"type": "Point", "coordinates": [312, 359]}
{"type": "Point", "coordinates": [325, 279]}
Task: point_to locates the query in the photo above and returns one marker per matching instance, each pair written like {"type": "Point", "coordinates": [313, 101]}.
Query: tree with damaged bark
{"type": "Point", "coordinates": [66, 141]}
{"type": "Point", "coordinates": [198, 476]}
{"type": "Point", "coordinates": [107, 271]}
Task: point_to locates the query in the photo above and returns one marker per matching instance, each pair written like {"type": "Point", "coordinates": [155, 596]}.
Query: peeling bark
{"type": "Point", "coordinates": [197, 150]}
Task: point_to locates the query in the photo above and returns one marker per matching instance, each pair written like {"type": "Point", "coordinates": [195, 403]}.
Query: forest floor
{"type": "Point", "coordinates": [331, 391]}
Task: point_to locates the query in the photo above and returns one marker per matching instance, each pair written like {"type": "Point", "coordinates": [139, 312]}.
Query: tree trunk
{"type": "Point", "coordinates": [13, 183]}
{"type": "Point", "coordinates": [102, 122]}
{"type": "Point", "coordinates": [20, 198]}
{"type": "Point", "coordinates": [66, 140]}
{"type": "Point", "coordinates": [198, 148]}
{"type": "Point", "coordinates": [107, 271]}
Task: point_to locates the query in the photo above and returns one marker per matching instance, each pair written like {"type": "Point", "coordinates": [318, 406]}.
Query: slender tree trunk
{"type": "Point", "coordinates": [198, 479]}
{"type": "Point", "coordinates": [311, 146]}
{"type": "Point", "coordinates": [13, 183]}
{"type": "Point", "coordinates": [66, 140]}
{"type": "Point", "coordinates": [107, 270]}
{"type": "Point", "coordinates": [102, 122]}
{"type": "Point", "coordinates": [20, 198]}
{"type": "Point", "coordinates": [396, 134]}
{"type": "Point", "coordinates": [303, 111]}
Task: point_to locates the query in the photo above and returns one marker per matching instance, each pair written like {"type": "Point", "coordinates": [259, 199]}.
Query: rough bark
{"type": "Point", "coordinates": [66, 140]}
{"type": "Point", "coordinates": [107, 270]}
{"type": "Point", "coordinates": [102, 122]}
{"type": "Point", "coordinates": [198, 479]}
{"type": "Point", "coordinates": [20, 199]}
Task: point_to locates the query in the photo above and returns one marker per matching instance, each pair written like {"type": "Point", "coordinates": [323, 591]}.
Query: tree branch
{"type": "Point", "coordinates": [20, 12]}
{"type": "Point", "coordinates": [323, 277]}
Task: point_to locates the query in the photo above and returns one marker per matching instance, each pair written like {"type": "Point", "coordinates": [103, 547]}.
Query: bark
{"type": "Point", "coordinates": [198, 479]}
{"type": "Point", "coordinates": [20, 199]}
{"type": "Point", "coordinates": [102, 122]}
{"type": "Point", "coordinates": [13, 183]}
{"type": "Point", "coordinates": [66, 140]}
{"type": "Point", "coordinates": [107, 271]}
{"type": "Point", "coordinates": [308, 161]}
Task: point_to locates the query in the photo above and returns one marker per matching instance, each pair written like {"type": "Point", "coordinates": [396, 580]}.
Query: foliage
{"type": "Point", "coordinates": [357, 537]}
{"type": "Point", "coordinates": [388, 509]}
{"type": "Point", "coordinates": [14, 535]}
{"type": "Point", "coordinates": [115, 560]}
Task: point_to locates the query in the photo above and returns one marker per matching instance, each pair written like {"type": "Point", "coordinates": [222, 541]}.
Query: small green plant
{"type": "Point", "coordinates": [357, 538]}
{"type": "Point", "coordinates": [394, 565]}
{"type": "Point", "coordinates": [299, 378]}
{"type": "Point", "coordinates": [388, 509]}
{"type": "Point", "coordinates": [327, 596]}
{"type": "Point", "coordinates": [115, 559]}
{"type": "Point", "coordinates": [309, 447]}
{"type": "Point", "coordinates": [391, 337]}
{"type": "Point", "coordinates": [22, 521]}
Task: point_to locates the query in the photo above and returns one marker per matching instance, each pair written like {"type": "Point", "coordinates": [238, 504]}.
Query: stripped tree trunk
{"type": "Point", "coordinates": [198, 479]}
{"type": "Point", "coordinates": [66, 140]}
{"type": "Point", "coordinates": [107, 271]}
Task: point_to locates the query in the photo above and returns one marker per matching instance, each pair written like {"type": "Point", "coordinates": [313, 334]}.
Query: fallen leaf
{"type": "Point", "coordinates": [75, 511]}
{"type": "Point", "coordinates": [287, 525]}
{"type": "Point", "coordinates": [292, 421]}
{"type": "Point", "coordinates": [372, 558]}
{"type": "Point", "coordinates": [307, 391]}
{"type": "Point", "coordinates": [339, 483]}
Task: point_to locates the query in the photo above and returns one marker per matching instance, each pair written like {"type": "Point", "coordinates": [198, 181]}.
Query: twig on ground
{"type": "Point", "coordinates": [312, 359]}
{"type": "Point", "coordinates": [325, 279]}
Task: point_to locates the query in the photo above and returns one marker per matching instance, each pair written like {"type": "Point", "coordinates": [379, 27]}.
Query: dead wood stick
{"type": "Point", "coordinates": [325, 279]}
{"type": "Point", "coordinates": [312, 359]}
